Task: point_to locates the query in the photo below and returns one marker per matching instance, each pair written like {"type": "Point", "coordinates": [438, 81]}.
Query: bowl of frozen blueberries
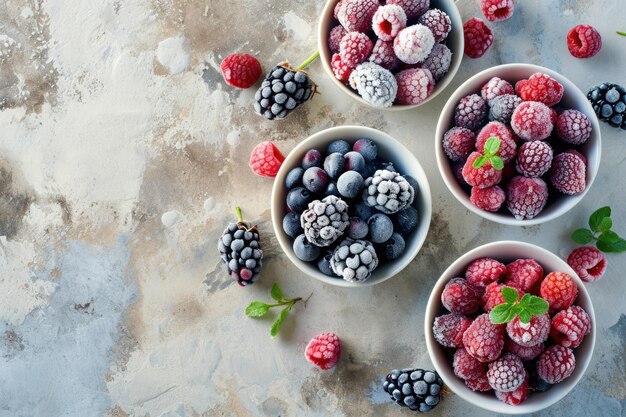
{"type": "Point", "coordinates": [351, 206]}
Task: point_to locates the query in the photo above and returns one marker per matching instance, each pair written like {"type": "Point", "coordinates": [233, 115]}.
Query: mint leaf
{"type": "Point", "coordinates": [497, 163]}
{"type": "Point", "coordinates": [500, 313]}
{"type": "Point", "coordinates": [608, 237]}
{"type": "Point", "coordinates": [257, 309]}
{"type": "Point", "coordinates": [524, 316]}
{"type": "Point", "coordinates": [621, 33]}
{"type": "Point", "coordinates": [276, 292]}
{"type": "Point", "coordinates": [279, 321]}
{"type": "Point", "coordinates": [582, 236]}
{"type": "Point", "coordinates": [536, 305]}
{"type": "Point", "coordinates": [618, 246]}
{"type": "Point", "coordinates": [605, 224]}
{"type": "Point", "coordinates": [510, 295]}
{"type": "Point", "coordinates": [597, 216]}
{"type": "Point", "coordinates": [492, 146]}
{"type": "Point", "coordinates": [480, 161]}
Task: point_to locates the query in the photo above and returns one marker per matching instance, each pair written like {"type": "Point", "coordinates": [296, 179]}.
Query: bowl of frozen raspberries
{"type": "Point", "coordinates": [510, 327]}
{"type": "Point", "coordinates": [518, 144]}
{"type": "Point", "coordinates": [351, 206]}
{"type": "Point", "coordinates": [394, 54]}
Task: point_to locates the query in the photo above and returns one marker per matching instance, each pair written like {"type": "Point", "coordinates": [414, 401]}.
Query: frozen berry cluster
{"type": "Point", "coordinates": [348, 211]}
{"type": "Point", "coordinates": [516, 358]}
{"type": "Point", "coordinates": [540, 145]}
{"type": "Point", "coordinates": [392, 53]}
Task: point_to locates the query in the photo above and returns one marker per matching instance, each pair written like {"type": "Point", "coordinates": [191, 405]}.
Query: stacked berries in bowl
{"type": "Point", "coordinates": [518, 144]}
{"type": "Point", "coordinates": [398, 53]}
{"type": "Point", "coordinates": [510, 327]}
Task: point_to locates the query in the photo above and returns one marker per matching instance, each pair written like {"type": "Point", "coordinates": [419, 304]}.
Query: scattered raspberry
{"type": "Point", "coordinates": [515, 397]}
{"type": "Point", "coordinates": [383, 55]}
{"type": "Point", "coordinates": [354, 48]}
{"type": "Point", "coordinates": [525, 353]}
{"type": "Point", "coordinates": [502, 107]}
{"type": "Point", "coordinates": [529, 334]}
{"type": "Point", "coordinates": [483, 271]}
{"type": "Point", "coordinates": [568, 173]}
{"type": "Point", "coordinates": [470, 112]}
{"type": "Point", "coordinates": [438, 22]}
{"type": "Point", "coordinates": [448, 329]}
{"type": "Point", "coordinates": [458, 143]}
{"type": "Point", "coordinates": [414, 85]}
{"type": "Point", "coordinates": [483, 339]}
{"type": "Point", "coordinates": [588, 262]}
{"type": "Point", "coordinates": [356, 15]}
{"type": "Point", "coordinates": [495, 10]}
{"type": "Point", "coordinates": [460, 297]}
{"type": "Point", "coordinates": [534, 158]}
{"type": "Point", "coordinates": [388, 21]}
{"type": "Point", "coordinates": [438, 62]}
{"type": "Point", "coordinates": [532, 120]}
{"type": "Point", "coordinates": [573, 127]}
{"type": "Point", "coordinates": [506, 373]}
{"type": "Point", "coordinates": [413, 44]}
{"type": "Point", "coordinates": [375, 84]}
{"type": "Point", "coordinates": [559, 290]}
{"type": "Point", "coordinates": [526, 197]}
{"type": "Point", "coordinates": [496, 87]}
{"type": "Point", "coordinates": [584, 41]}
{"type": "Point", "coordinates": [266, 159]}
{"type": "Point", "coordinates": [483, 177]}
{"type": "Point", "coordinates": [508, 147]}
{"type": "Point", "coordinates": [240, 70]}
{"type": "Point", "coordinates": [478, 37]}
{"type": "Point", "coordinates": [569, 327]}
{"type": "Point", "coordinates": [523, 273]}
{"type": "Point", "coordinates": [540, 87]}
{"type": "Point", "coordinates": [465, 366]}
{"type": "Point", "coordinates": [324, 350]}
{"type": "Point", "coordinates": [341, 70]}
{"type": "Point", "coordinates": [556, 364]}
{"type": "Point", "coordinates": [489, 199]}
{"type": "Point", "coordinates": [480, 384]}
{"type": "Point", "coordinates": [334, 38]}
{"type": "Point", "coordinates": [413, 8]}
{"type": "Point", "coordinates": [493, 295]}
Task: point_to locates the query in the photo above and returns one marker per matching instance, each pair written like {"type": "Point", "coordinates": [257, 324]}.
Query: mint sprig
{"type": "Point", "coordinates": [621, 33]}
{"type": "Point", "coordinates": [600, 224]}
{"type": "Point", "coordinates": [260, 309]}
{"type": "Point", "coordinates": [492, 146]}
{"type": "Point", "coordinates": [525, 308]}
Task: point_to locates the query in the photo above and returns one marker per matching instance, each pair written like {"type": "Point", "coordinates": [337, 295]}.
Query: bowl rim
{"type": "Point", "coordinates": [457, 56]}
{"type": "Point", "coordinates": [339, 132]}
{"type": "Point", "coordinates": [434, 306]}
{"type": "Point", "coordinates": [445, 168]}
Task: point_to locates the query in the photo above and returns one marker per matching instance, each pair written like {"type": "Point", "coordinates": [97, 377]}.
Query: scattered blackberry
{"type": "Point", "coordinates": [240, 250]}
{"type": "Point", "coordinates": [417, 389]}
{"type": "Point", "coordinates": [609, 103]}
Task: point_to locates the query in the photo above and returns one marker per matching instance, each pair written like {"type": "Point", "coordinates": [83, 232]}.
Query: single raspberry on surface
{"type": "Point", "coordinates": [496, 87]}
{"type": "Point", "coordinates": [483, 271]}
{"type": "Point", "coordinates": [515, 397]}
{"type": "Point", "coordinates": [483, 177]}
{"type": "Point", "coordinates": [523, 273]}
{"type": "Point", "coordinates": [559, 290]}
{"type": "Point", "coordinates": [478, 37]}
{"type": "Point", "coordinates": [534, 158]}
{"type": "Point", "coordinates": [458, 143]}
{"type": "Point", "coordinates": [525, 353]}
{"type": "Point", "coordinates": [540, 87]}
{"type": "Point", "coordinates": [438, 62]}
{"type": "Point", "coordinates": [354, 48]}
{"type": "Point", "coordinates": [508, 147]}
{"type": "Point", "coordinates": [488, 199]}
{"type": "Point", "coordinates": [438, 22]}
{"type": "Point", "coordinates": [483, 339]}
{"type": "Point", "coordinates": [388, 21]}
{"type": "Point", "coordinates": [465, 366]}
{"type": "Point", "coordinates": [340, 68]}
{"type": "Point", "coordinates": [555, 364]}
{"type": "Point", "coordinates": [532, 120]}
{"type": "Point", "coordinates": [479, 384]}
{"type": "Point", "coordinates": [240, 70]}
{"type": "Point", "coordinates": [414, 85]}
{"type": "Point", "coordinates": [459, 296]}
{"type": "Point", "coordinates": [334, 38]}
{"type": "Point", "coordinates": [493, 295]}
{"type": "Point", "coordinates": [526, 197]}
{"type": "Point", "coordinates": [584, 41]}
{"type": "Point", "coordinates": [383, 55]}
{"type": "Point", "coordinates": [448, 329]}
{"type": "Point", "coordinates": [356, 15]}
{"type": "Point", "coordinates": [573, 127]}
{"type": "Point", "coordinates": [569, 327]}
{"type": "Point", "coordinates": [568, 173]}
{"type": "Point", "coordinates": [413, 44]}
{"type": "Point", "coordinates": [588, 262]}
{"type": "Point", "coordinates": [496, 10]}
{"type": "Point", "coordinates": [266, 159]}
{"type": "Point", "coordinates": [471, 112]}
{"type": "Point", "coordinates": [529, 334]}
{"type": "Point", "coordinates": [506, 373]}
{"type": "Point", "coordinates": [324, 350]}
{"type": "Point", "coordinates": [501, 108]}
{"type": "Point", "coordinates": [412, 8]}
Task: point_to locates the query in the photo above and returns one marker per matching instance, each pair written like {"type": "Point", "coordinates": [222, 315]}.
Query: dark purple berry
{"type": "Point", "coordinates": [298, 199]}
{"type": "Point", "coordinates": [367, 148]}
{"type": "Point", "coordinates": [355, 162]}
{"type": "Point", "coordinates": [350, 184]}
{"type": "Point", "coordinates": [312, 158]}
{"type": "Point", "coordinates": [334, 165]}
{"type": "Point", "coordinates": [405, 220]}
{"type": "Point", "coordinates": [340, 146]}
{"type": "Point", "coordinates": [291, 224]}
{"type": "Point", "coordinates": [358, 228]}
{"type": "Point", "coordinates": [315, 179]}
{"type": "Point", "coordinates": [381, 228]}
{"type": "Point", "coordinates": [294, 178]}
{"type": "Point", "coordinates": [305, 250]}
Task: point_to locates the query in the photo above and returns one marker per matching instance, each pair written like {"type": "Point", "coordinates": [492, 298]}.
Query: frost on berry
{"type": "Point", "coordinates": [526, 197]}
{"type": "Point", "coordinates": [496, 10]}
{"type": "Point", "coordinates": [458, 143]}
{"type": "Point", "coordinates": [356, 15]}
{"type": "Point", "coordinates": [375, 84]}
{"type": "Point", "coordinates": [529, 334]}
{"type": "Point", "coordinates": [478, 37]}
{"type": "Point", "coordinates": [470, 112]}
{"type": "Point", "coordinates": [501, 108]}
{"type": "Point", "coordinates": [413, 8]}
{"type": "Point", "coordinates": [559, 290]}
{"type": "Point", "coordinates": [465, 366]}
{"type": "Point", "coordinates": [479, 384]}
{"type": "Point", "coordinates": [584, 41]}
{"type": "Point", "coordinates": [488, 199]}
{"type": "Point", "coordinates": [588, 262]}
{"type": "Point", "coordinates": [341, 69]}
{"type": "Point", "coordinates": [524, 273]}
{"type": "Point", "coordinates": [448, 329]}
{"type": "Point", "coordinates": [438, 62]}
{"type": "Point", "coordinates": [388, 21]}
{"type": "Point", "coordinates": [483, 339]}
{"type": "Point", "coordinates": [414, 85]}
{"type": "Point", "coordinates": [534, 158]}
{"type": "Point", "coordinates": [573, 127]}
{"type": "Point", "coordinates": [438, 22]}
{"type": "Point", "coordinates": [568, 173]}
{"type": "Point", "coordinates": [493, 295]}
{"type": "Point", "coordinates": [555, 364]}
{"type": "Point", "coordinates": [496, 87]}
{"type": "Point", "coordinates": [266, 159]}
{"type": "Point", "coordinates": [508, 147]}
{"type": "Point", "coordinates": [515, 397]}
{"type": "Point", "coordinates": [483, 271]}
{"type": "Point", "coordinates": [569, 327]}
{"type": "Point", "coordinates": [460, 297]}
{"type": "Point", "coordinates": [354, 48]}
{"type": "Point", "coordinates": [525, 353]}
{"type": "Point", "coordinates": [506, 373]}
{"type": "Point", "coordinates": [532, 120]}
{"type": "Point", "coordinates": [413, 44]}
{"type": "Point", "coordinates": [324, 350]}
{"type": "Point", "coordinates": [540, 87]}
{"type": "Point", "coordinates": [334, 38]}
{"type": "Point", "coordinates": [383, 55]}
{"type": "Point", "coordinates": [483, 177]}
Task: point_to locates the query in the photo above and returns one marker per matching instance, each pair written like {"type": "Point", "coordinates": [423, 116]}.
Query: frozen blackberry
{"type": "Point", "coordinates": [609, 102]}
{"type": "Point", "coordinates": [502, 107]}
{"type": "Point", "coordinates": [325, 221]}
{"type": "Point", "coordinates": [354, 260]}
{"type": "Point", "coordinates": [240, 249]}
{"type": "Point", "coordinates": [417, 389]}
{"type": "Point", "coordinates": [388, 191]}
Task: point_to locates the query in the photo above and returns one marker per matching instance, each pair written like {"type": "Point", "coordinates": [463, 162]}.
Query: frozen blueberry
{"type": "Point", "coordinates": [334, 165]}
{"type": "Point", "coordinates": [312, 158]}
{"type": "Point", "coordinates": [405, 220]}
{"type": "Point", "coordinates": [340, 146]}
{"type": "Point", "coordinates": [294, 178]}
{"type": "Point", "coordinates": [291, 224]}
{"type": "Point", "coordinates": [331, 189]}
{"type": "Point", "coordinates": [315, 179]}
{"type": "Point", "coordinates": [323, 264]}
{"type": "Point", "coordinates": [367, 148]}
{"type": "Point", "coordinates": [350, 184]}
{"type": "Point", "coordinates": [355, 162]}
{"type": "Point", "coordinates": [358, 228]}
{"type": "Point", "coordinates": [305, 250]}
{"type": "Point", "coordinates": [394, 247]}
{"type": "Point", "coordinates": [381, 228]}
{"type": "Point", "coordinates": [298, 199]}
{"type": "Point", "coordinates": [363, 211]}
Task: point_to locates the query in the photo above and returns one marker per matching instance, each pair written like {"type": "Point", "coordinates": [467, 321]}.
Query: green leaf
{"type": "Point", "coordinates": [621, 33]}
{"type": "Point", "coordinates": [582, 236]}
{"type": "Point", "coordinates": [480, 161]}
{"type": "Point", "coordinates": [609, 237]}
{"type": "Point", "coordinates": [279, 321]}
{"type": "Point", "coordinates": [597, 216]}
{"type": "Point", "coordinates": [500, 313]}
{"type": "Point", "coordinates": [524, 316]}
{"type": "Point", "coordinates": [276, 292]}
{"type": "Point", "coordinates": [510, 295]}
{"type": "Point", "coordinates": [525, 299]}
{"type": "Point", "coordinates": [497, 163]}
{"type": "Point", "coordinates": [536, 305]}
{"type": "Point", "coordinates": [492, 146]}
{"type": "Point", "coordinates": [605, 224]}
{"type": "Point", "coordinates": [257, 309]}
{"type": "Point", "coordinates": [619, 246]}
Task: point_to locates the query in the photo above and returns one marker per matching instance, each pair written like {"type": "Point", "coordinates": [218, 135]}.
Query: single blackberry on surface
{"type": "Point", "coordinates": [609, 102]}
{"type": "Point", "coordinates": [388, 191]}
{"type": "Point", "coordinates": [240, 249]}
{"type": "Point", "coordinates": [325, 221]}
{"type": "Point", "coordinates": [354, 260]}
{"type": "Point", "coordinates": [417, 389]}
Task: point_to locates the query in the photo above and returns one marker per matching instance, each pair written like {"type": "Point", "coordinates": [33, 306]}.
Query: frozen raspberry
{"type": "Point", "coordinates": [573, 127]}
{"type": "Point", "coordinates": [460, 297]}
{"type": "Point", "coordinates": [532, 120]}
{"type": "Point", "coordinates": [341, 70]}
{"type": "Point", "coordinates": [508, 147]}
{"type": "Point", "coordinates": [588, 262]}
{"type": "Point", "coordinates": [578, 154]}
{"type": "Point", "coordinates": [569, 327]}
{"type": "Point", "coordinates": [336, 9]}
{"type": "Point", "coordinates": [483, 271]}
{"type": "Point", "coordinates": [483, 177]}
{"type": "Point", "coordinates": [526, 197]}
{"type": "Point", "coordinates": [465, 366]}
{"type": "Point", "coordinates": [523, 273]}
{"type": "Point", "coordinates": [493, 295]}
{"type": "Point", "coordinates": [413, 8]}
{"type": "Point", "coordinates": [540, 87]}
{"type": "Point", "coordinates": [375, 84]}
{"type": "Point", "coordinates": [457, 168]}
{"type": "Point", "coordinates": [555, 364]}
{"type": "Point", "coordinates": [266, 159]}
{"type": "Point", "coordinates": [354, 48]}
{"type": "Point", "coordinates": [584, 41]}
{"type": "Point", "coordinates": [414, 85]}
{"type": "Point", "coordinates": [240, 70]}
{"type": "Point", "coordinates": [334, 38]}
{"type": "Point", "coordinates": [483, 339]}
{"type": "Point", "coordinates": [413, 44]}
{"type": "Point", "coordinates": [515, 397]}
{"type": "Point", "coordinates": [496, 87]}
{"type": "Point", "coordinates": [559, 290]}
{"type": "Point", "coordinates": [501, 108]}
{"type": "Point", "coordinates": [568, 173]}
{"type": "Point", "coordinates": [529, 334]}
{"type": "Point", "coordinates": [438, 22]}
{"type": "Point", "coordinates": [478, 37]}
{"type": "Point", "coordinates": [506, 373]}
{"type": "Point", "coordinates": [388, 21]}
{"type": "Point", "coordinates": [383, 55]}
{"type": "Point", "coordinates": [534, 158]}
{"type": "Point", "coordinates": [525, 353]}
{"type": "Point", "coordinates": [438, 62]}
{"type": "Point", "coordinates": [471, 112]}
{"type": "Point", "coordinates": [356, 15]}
{"type": "Point", "coordinates": [458, 143]}
{"type": "Point", "coordinates": [495, 10]}
{"type": "Point", "coordinates": [488, 199]}
{"type": "Point", "coordinates": [324, 350]}
{"type": "Point", "coordinates": [480, 384]}
{"type": "Point", "coordinates": [448, 329]}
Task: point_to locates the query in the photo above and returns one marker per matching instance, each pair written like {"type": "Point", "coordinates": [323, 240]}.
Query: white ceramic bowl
{"type": "Point", "coordinates": [507, 251]}
{"type": "Point", "coordinates": [572, 98]}
{"type": "Point", "coordinates": [454, 42]}
{"type": "Point", "coordinates": [388, 149]}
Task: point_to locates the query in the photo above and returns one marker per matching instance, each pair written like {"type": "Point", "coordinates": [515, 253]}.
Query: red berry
{"type": "Point", "coordinates": [573, 127]}
{"type": "Point", "coordinates": [460, 297]}
{"type": "Point", "coordinates": [488, 199]}
{"type": "Point", "coordinates": [414, 85]}
{"type": "Point", "coordinates": [532, 120]}
{"type": "Point", "coordinates": [483, 339]}
{"type": "Point", "coordinates": [412, 8]}
{"type": "Point", "coordinates": [483, 271]}
{"type": "Point", "coordinates": [515, 397]}
{"type": "Point", "coordinates": [588, 262]}
{"type": "Point", "coordinates": [341, 70]}
{"type": "Point", "coordinates": [506, 373]}
{"type": "Point", "coordinates": [495, 10]}
{"type": "Point", "coordinates": [569, 327]}
{"type": "Point", "coordinates": [480, 384]}
{"type": "Point", "coordinates": [354, 48]}
{"type": "Point", "coordinates": [458, 143]}
{"type": "Point", "coordinates": [240, 70]}
{"type": "Point", "coordinates": [483, 177]}
{"type": "Point", "coordinates": [336, 9]}
{"type": "Point", "coordinates": [555, 364]}
{"type": "Point", "coordinates": [525, 353]}
{"type": "Point", "coordinates": [534, 158]}
{"type": "Point", "coordinates": [478, 37]}
{"type": "Point", "coordinates": [383, 55]}
{"type": "Point", "coordinates": [540, 87]}
{"type": "Point", "coordinates": [413, 44]}
{"type": "Point", "coordinates": [324, 350]}
{"type": "Point", "coordinates": [471, 112]}
{"type": "Point", "coordinates": [388, 21]}
{"type": "Point", "coordinates": [266, 159]}
{"type": "Point", "coordinates": [526, 197]}
{"type": "Point", "coordinates": [508, 147]}
{"type": "Point", "coordinates": [438, 62]}
{"type": "Point", "coordinates": [356, 15]}
{"type": "Point", "coordinates": [568, 173]}
{"type": "Point", "coordinates": [496, 87]}
{"type": "Point", "coordinates": [448, 329]}
{"type": "Point", "coordinates": [529, 334]}
{"type": "Point", "coordinates": [559, 290]}
{"type": "Point", "coordinates": [584, 41]}
{"type": "Point", "coordinates": [334, 38]}
{"type": "Point", "coordinates": [523, 273]}
{"type": "Point", "coordinates": [493, 295]}
{"type": "Point", "coordinates": [438, 22]}
{"type": "Point", "coordinates": [465, 366]}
